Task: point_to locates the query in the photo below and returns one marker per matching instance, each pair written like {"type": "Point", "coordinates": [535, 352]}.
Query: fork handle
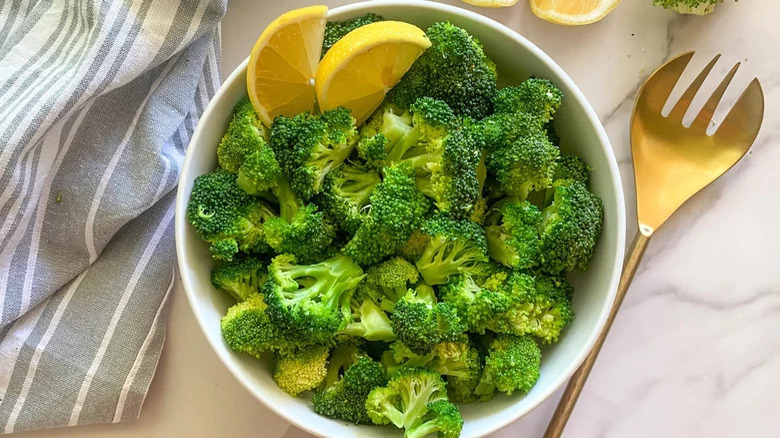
{"type": "Point", "coordinates": [577, 381]}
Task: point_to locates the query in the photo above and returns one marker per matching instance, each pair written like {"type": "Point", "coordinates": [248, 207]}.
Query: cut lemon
{"type": "Point", "coordinates": [280, 75]}
{"type": "Point", "coordinates": [491, 3]}
{"type": "Point", "coordinates": [363, 66]}
{"type": "Point", "coordinates": [572, 12]}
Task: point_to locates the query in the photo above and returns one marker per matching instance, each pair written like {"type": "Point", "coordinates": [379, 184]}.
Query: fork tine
{"type": "Point", "coordinates": [702, 120]}
{"type": "Point", "coordinates": [747, 114]}
{"type": "Point", "coordinates": [660, 84]}
{"type": "Point", "coordinates": [682, 105]}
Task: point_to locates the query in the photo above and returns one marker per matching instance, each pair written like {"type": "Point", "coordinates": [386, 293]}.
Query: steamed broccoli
{"type": "Point", "coordinates": [309, 146]}
{"type": "Point", "coordinates": [512, 364]}
{"type": "Point", "coordinates": [396, 209]}
{"type": "Point", "coordinates": [245, 135]}
{"type": "Point", "coordinates": [345, 398]}
{"type": "Point", "coordinates": [260, 171]}
{"type": "Point", "coordinates": [299, 371]}
{"type": "Point", "coordinates": [540, 306]}
{"type": "Point", "coordinates": [515, 241]}
{"type": "Point", "coordinates": [404, 401]}
{"type": "Point", "coordinates": [454, 69]}
{"type": "Point", "coordinates": [241, 277]}
{"type": "Point", "coordinates": [388, 281]}
{"type": "Point", "coordinates": [570, 228]}
{"type": "Point", "coordinates": [247, 328]}
{"type": "Point", "coordinates": [227, 217]}
{"type": "Point", "coordinates": [695, 7]}
{"type": "Point", "coordinates": [538, 98]}
{"type": "Point", "coordinates": [476, 306]}
{"type": "Point", "coordinates": [415, 245]}
{"type": "Point", "coordinates": [572, 167]}
{"type": "Point", "coordinates": [310, 302]}
{"type": "Point", "coordinates": [450, 358]}
{"type": "Point", "coordinates": [442, 417]}
{"type": "Point", "coordinates": [386, 135]}
{"type": "Point", "coordinates": [368, 320]}
{"type": "Point", "coordinates": [420, 322]}
{"type": "Point", "coordinates": [335, 30]}
{"type": "Point", "coordinates": [346, 193]}
{"type": "Point", "coordinates": [455, 246]}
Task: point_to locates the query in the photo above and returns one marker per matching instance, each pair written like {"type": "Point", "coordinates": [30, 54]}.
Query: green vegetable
{"type": "Point", "coordinates": [301, 370]}
{"type": "Point", "coordinates": [515, 241]}
{"type": "Point", "coordinates": [512, 364]}
{"type": "Point", "coordinates": [695, 7]}
{"type": "Point", "coordinates": [388, 281]}
{"type": "Point", "coordinates": [335, 30]}
{"type": "Point", "coordinates": [442, 417]}
{"type": "Point", "coordinates": [346, 195]}
{"type": "Point", "coordinates": [455, 246]}
{"type": "Point", "coordinates": [247, 328]}
{"type": "Point", "coordinates": [404, 401]}
{"type": "Point", "coordinates": [345, 399]}
{"type": "Point", "coordinates": [245, 135]}
{"type": "Point", "coordinates": [241, 277]}
{"type": "Point", "coordinates": [420, 322]}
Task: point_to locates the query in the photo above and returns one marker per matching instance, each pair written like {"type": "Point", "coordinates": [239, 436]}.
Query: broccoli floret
{"type": "Point", "coordinates": [442, 417]}
{"type": "Point", "coordinates": [571, 167]}
{"type": "Point", "coordinates": [476, 306]}
{"type": "Point", "coordinates": [450, 358]}
{"type": "Point", "coordinates": [415, 246]}
{"type": "Point", "coordinates": [299, 371]}
{"type": "Point", "coordinates": [227, 217]}
{"type": "Point", "coordinates": [404, 401]}
{"type": "Point", "coordinates": [346, 193]}
{"type": "Point", "coordinates": [309, 146]}
{"type": "Point", "coordinates": [346, 398]}
{"type": "Point", "coordinates": [454, 69]}
{"type": "Point", "coordinates": [335, 30]}
{"type": "Point", "coordinates": [341, 357]}
{"type": "Point", "coordinates": [460, 389]}
{"type": "Point", "coordinates": [455, 246]}
{"type": "Point", "coordinates": [368, 320]}
{"type": "Point", "coordinates": [420, 322]}
{"type": "Point", "coordinates": [245, 135]}
{"type": "Point", "coordinates": [260, 171]}
{"type": "Point", "coordinates": [396, 209]}
{"type": "Point", "coordinates": [388, 281]}
{"type": "Point", "coordinates": [695, 7]}
{"type": "Point", "coordinates": [310, 303]}
{"type": "Point", "coordinates": [386, 135]}
{"type": "Point", "coordinates": [538, 98]}
{"type": "Point", "coordinates": [512, 364]}
{"type": "Point", "coordinates": [540, 306]}
{"type": "Point", "coordinates": [515, 241]}
{"type": "Point", "coordinates": [247, 328]}
{"type": "Point", "coordinates": [241, 277]}
{"type": "Point", "coordinates": [303, 231]}
{"type": "Point", "coordinates": [570, 229]}
{"type": "Point", "coordinates": [524, 165]}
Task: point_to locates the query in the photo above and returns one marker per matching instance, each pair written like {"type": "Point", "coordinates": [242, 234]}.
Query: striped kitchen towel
{"type": "Point", "coordinates": [98, 100]}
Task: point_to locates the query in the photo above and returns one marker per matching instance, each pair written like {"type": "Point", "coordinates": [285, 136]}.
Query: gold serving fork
{"type": "Point", "coordinates": [672, 163]}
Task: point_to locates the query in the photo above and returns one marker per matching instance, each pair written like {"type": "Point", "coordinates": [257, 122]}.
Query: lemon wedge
{"type": "Point", "coordinates": [365, 64]}
{"type": "Point", "coordinates": [572, 12]}
{"type": "Point", "coordinates": [280, 74]}
{"type": "Point", "coordinates": [491, 3]}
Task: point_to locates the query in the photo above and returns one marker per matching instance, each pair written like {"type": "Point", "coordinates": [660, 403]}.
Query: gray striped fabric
{"type": "Point", "coordinates": [98, 100]}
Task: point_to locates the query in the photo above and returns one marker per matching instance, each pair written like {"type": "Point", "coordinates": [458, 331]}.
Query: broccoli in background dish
{"type": "Point", "coordinates": [226, 216]}
{"type": "Point", "coordinates": [454, 69]}
{"type": "Point", "coordinates": [241, 277]}
{"type": "Point", "coordinates": [335, 30]}
{"type": "Point", "coordinates": [695, 7]}
{"type": "Point", "coordinates": [345, 398]}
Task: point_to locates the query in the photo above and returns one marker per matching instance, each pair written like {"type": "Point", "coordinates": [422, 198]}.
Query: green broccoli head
{"type": "Point", "coordinates": [455, 246]}
{"type": "Point", "coordinates": [695, 7]}
{"type": "Point", "coordinates": [302, 370]}
{"type": "Point", "coordinates": [524, 165]}
{"type": "Point", "coordinates": [476, 306]}
{"type": "Point", "coordinates": [421, 323]}
{"type": "Point", "coordinates": [540, 306]}
{"type": "Point", "coordinates": [309, 146]}
{"type": "Point", "coordinates": [241, 277]}
{"type": "Point", "coordinates": [226, 216]}
{"type": "Point", "coordinates": [346, 193]}
{"type": "Point", "coordinates": [246, 328]}
{"type": "Point", "coordinates": [415, 245]}
{"type": "Point", "coordinates": [396, 208]}
{"type": "Point", "coordinates": [512, 364]}
{"type": "Point", "coordinates": [456, 358]}
{"type": "Point", "coordinates": [386, 135]}
{"type": "Point", "coordinates": [390, 280]}
{"type": "Point", "coordinates": [310, 303]}
{"type": "Point", "coordinates": [538, 98]}
{"type": "Point", "coordinates": [307, 235]}
{"type": "Point", "coordinates": [368, 320]}
{"type": "Point", "coordinates": [442, 418]}
{"type": "Point", "coordinates": [515, 241]}
{"type": "Point", "coordinates": [346, 398]}
{"type": "Point", "coordinates": [570, 228]}
{"type": "Point", "coordinates": [260, 171]}
{"type": "Point", "coordinates": [571, 167]}
{"type": "Point", "coordinates": [244, 136]}
{"type": "Point", "coordinates": [335, 30]}
{"type": "Point", "coordinates": [454, 69]}
{"type": "Point", "coordinates": [404, 401]}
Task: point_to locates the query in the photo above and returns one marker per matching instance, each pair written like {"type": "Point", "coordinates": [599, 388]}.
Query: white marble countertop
{"type": "Point", "coordinates": [695, 351]}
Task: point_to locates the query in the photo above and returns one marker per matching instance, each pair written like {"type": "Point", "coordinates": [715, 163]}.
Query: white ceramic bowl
{"type": "Point", "coordinates": [580, 131]}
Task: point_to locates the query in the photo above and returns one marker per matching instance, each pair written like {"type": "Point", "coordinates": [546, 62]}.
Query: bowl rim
{"type": "Point", "coordinates": [576, 93]}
